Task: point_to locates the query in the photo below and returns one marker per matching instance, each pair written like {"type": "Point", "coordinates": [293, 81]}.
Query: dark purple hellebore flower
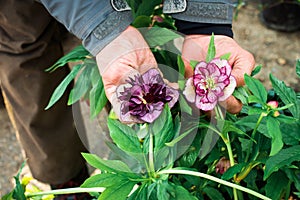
{"type": "Point", "coordinates": [144, 96]}
{"type": "Point", "coordinates": [211, 82]}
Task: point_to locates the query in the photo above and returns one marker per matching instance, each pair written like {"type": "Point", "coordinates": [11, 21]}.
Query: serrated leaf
{"type": "Point", "coordinates": [178, 192]}
{"type": "Point", "coordinates": [290, 133]}
{"type": "Point", "coordinates": [274, 188]}
{"type": "Point", "coordinates": [124, 136]}
{"type": "Point", "coordinates": [159, 36]}
{"type": "Point", "coordinates": [103, 180]}
{"type": "Point", "coordinates": [162, 128]}
{"type": "Point", "coordinates": [211, 52]}
{"type": "Point", "coordinates": [298, 67]}
{"type": "Point", "coordinates": [61, 88]}
{"type": "Point", "coordinates": [287, 95]}
{"type": "Point", "coordinates": [283, 158]}
{"type": "Point", "coordinates": [77, 54]}
{"type": "Point", "coordinates": [112, 166]}
{"type": "Point", "coordinates": [256, 70]}
{"type": "Point", "coordinates": [213, 193]}
{"type": "Point", "coordinates": [82, 85]}
{"type": "Point", "coordinates": [181, 66]}
{"type": "Point", "coordinates": [275, 133]}
{"type": "Point", "coordinates": [256, 87]}
{"type": "Point", "coordinates": [97, 99]}
{"type": "Point", "coordinates": [118, 191]}
{"type": "Point", "coordinates": [184, 106]}
{"type": "Point", "coordinates": [241, 94]}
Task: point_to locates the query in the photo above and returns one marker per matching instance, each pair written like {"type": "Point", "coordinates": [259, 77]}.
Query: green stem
{"type": "Point", "coordinates": [151, 156]}
{"type": "Point", "coordinates": [212, 178]}
{"type": "Point", "coordinates": [67, 191]}
{"type": "Point", "coordinates": [226, 140]}
{"type": "Point", "coordinates": [262, 115]}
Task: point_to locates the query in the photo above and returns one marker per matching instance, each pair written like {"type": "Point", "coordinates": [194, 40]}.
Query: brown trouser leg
{"type": "Point", "coordinates": [29, 45]}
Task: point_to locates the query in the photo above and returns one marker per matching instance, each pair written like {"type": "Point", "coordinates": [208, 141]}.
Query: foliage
{"type": "Point", "coordinates": [177, 155]}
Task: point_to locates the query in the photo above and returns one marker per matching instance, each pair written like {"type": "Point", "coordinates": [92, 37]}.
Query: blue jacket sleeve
{"type": "Point", "coordinates": [95, 22]}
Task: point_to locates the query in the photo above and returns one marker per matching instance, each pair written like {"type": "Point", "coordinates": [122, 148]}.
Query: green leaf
{"type": "Point", "coordinates": [159, 36]}
{"type": "Point", "coordinates": [181, 193]}
{"type": "Point", "coordinates": [192, 152]}
{"type": "Point", "coordinates": [117, 191]}
{"type": "Point", "coordinates": [61, 88]}
{"type": "Point", "coordinates": [142, 21]}
{"type": "Point", "coordinates": [19, 190]}
{"type": "Point", "coordinates": [184, 106]}
{"type": "Point", "coordinates": [147, 7]}
{"type": "Point", "coordinates": [124, 136]}
{"type": "Point", "coordinates": [287, 95]}
{"type": "Point", "coordinates": [283, 158]}
{"type": "Point", "coordinates": [225, 56]}
{"type": "Point", "coordinates": [275, 133]}
{"type": "Point", "coordinates": [97, 99]}
{"type": "Point", "coordinates": [233, 170]}
{"type": "Point", "coordinates": [194, 63]}
{"type": "Point", "coordinates": [241, 94]}
{"type": "Point", "coordinates": [286, 119]}
{"type": "Point", "coordinates": [255, 99]}
{"type": "Point", "coordinates": [211, 52]}
{"type": "Point", "coordinates": [276, 185]}
{"type": "Point", "coordinates": [77, 54]}
{"type": "Point", "coordinates": [8, 196]}
{"type": "Point", "coordinates": [256, 87]}
{"type": "Point", "coordinates": [256, 70]}
{"type": "Point", "coordinates": [140, 193]}
{"type": "Point", "coordinates": [181, 65]}
{"type": "Point", "coordinates": [112, 166]}
{"type": "Point", "coordinates": [162, 129]}
{"type": "Point", "coordinates": [298, 67]}
{"type": "Point", "coordinates": [103, 180]}
{"type": "Point", "coordinates": [290, 133]}
{"type": "Point", "coordinates": [213, 193]}
{"type": "Point", "coordinates": [82, 85]}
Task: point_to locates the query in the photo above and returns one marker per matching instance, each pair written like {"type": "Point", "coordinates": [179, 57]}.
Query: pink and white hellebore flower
{"type": "Point", "coordinates": [210, 83]}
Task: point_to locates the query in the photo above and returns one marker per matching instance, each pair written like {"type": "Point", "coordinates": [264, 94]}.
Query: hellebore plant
{"type": "Point", "coordinates": [166, 151]}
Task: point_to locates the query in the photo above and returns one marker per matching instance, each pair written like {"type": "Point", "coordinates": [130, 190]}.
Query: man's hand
{"type": "Point", "coordinates": [127, 54]}
{"type": "Point", "coordinates": [195, 48]}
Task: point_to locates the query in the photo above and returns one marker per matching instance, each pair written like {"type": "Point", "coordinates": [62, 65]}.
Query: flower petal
{"type": "Point", "coordinates": [204, 105]}
{"type": "Point", "coordinates": [189, 90]}
{"type": "Point", "coordinates": [223, 63]}
{"type": "Point", "coordinates": [229, 89]}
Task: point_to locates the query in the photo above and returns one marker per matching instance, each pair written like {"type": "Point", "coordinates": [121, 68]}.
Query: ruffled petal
{"type": "Point", "coordinates": [229, 89]}
{"type": "Point", "coordinates": [189, 90]}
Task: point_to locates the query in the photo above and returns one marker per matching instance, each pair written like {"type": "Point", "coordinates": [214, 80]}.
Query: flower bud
{"type": "Point", "coordinates": [222, 166]}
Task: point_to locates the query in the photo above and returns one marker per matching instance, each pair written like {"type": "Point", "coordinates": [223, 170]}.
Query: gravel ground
{"type": "Point", "coordinates": [276, 51]}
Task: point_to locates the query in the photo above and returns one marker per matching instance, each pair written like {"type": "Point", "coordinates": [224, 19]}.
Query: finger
{"type": "Point", "coordinates": [232, 105]}
{"type": "Point", "coordinates": [244, 63]}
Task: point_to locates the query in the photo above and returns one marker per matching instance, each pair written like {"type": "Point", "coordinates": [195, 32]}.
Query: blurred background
{"type": "Point", "coordinates": [276, 51]}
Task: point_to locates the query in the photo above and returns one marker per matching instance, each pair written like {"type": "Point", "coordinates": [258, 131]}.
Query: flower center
{"type": "Point", "coordinates": [210, 83]}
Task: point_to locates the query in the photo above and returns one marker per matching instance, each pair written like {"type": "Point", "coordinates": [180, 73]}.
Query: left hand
{"type": "Point", "coordinates": [195, 48]}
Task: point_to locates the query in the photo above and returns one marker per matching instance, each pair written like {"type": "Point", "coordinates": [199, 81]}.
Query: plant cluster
{"type": "Point", "coordinates": [174, 151]}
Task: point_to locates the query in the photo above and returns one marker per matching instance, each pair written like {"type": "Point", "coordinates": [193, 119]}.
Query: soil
{"type": "Point", "coordinates": [276, 51]}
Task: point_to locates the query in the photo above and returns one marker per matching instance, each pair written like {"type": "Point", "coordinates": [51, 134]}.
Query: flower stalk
{"type": "Point", "coordinates": [215, 179]}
